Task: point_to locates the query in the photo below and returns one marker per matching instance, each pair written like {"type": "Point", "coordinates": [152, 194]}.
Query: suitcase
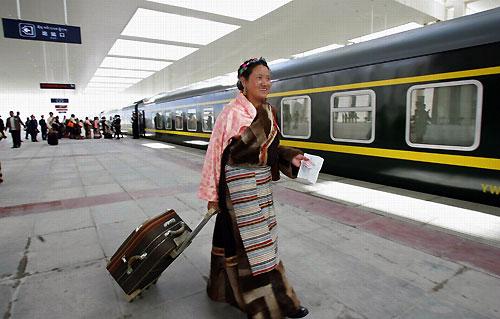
{"type": "Point", "coordinates": [149, 250]}
{"type": "Point", "coordinates": [52, 139]}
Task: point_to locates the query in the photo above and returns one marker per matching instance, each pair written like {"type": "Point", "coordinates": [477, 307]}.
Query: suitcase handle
{"type": "Point", "coordinates": [176, 233]}
{"type": "Point", "coordinates": [212, 211]}
{"type": "Point", "coordinates": [132, 259]}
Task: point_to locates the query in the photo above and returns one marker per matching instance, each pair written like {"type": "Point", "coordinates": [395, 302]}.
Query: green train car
{"type": "Point", "coordinates": [418, 110]}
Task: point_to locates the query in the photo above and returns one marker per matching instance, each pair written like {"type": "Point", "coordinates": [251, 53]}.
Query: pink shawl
{"type": "Point", "coordinates": [232, 121]}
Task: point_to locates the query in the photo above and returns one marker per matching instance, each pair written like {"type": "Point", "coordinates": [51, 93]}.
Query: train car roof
{"type": "Point", "coordinates": [472, 30]}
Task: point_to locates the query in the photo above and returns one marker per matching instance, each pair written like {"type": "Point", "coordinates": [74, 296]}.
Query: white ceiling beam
{"type": "Point", "coordinates": [433, 8]}
{"type": "Point", "coordinates": [458, 8]}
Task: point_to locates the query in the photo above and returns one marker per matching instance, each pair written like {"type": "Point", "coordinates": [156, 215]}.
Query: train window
{"type": "Point", "coordinates": [296, 117]}
{"type": "Point", "coordinates": [158, 121]}
{"type": "Point", "coordinates": [353, 116]}
{"type": "Point", "coordinates": [208, 119]}
{"type": "Point", "coordinates": [191, 120]}
{"type": "Point", "coordinates": [178, 120]}
{"type": "Point", "coordinates": [167, 120]}
{"type": "Point", "coordinates": [444, 115]}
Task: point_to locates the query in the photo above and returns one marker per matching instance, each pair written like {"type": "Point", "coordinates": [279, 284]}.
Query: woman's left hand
{"type": "Point", "coordinates": [298, 159]}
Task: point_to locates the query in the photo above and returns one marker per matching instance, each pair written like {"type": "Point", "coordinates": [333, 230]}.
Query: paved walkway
{"type": "Point", "coordinates": [64, 210]}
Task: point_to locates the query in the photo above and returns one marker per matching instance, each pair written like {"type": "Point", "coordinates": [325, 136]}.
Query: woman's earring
{"type": "Point", "coordinates": [245, 91]}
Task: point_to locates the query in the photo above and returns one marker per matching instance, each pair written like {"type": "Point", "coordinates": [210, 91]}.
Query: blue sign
{"type": "Point", "coordinates": [59, 100]}
{"type": "Point", "coordinates": [40, 31]}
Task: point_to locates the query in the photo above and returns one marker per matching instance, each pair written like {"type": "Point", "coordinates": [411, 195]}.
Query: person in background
{"type": "Point", "coordinates": [26, 127]}
{"type": "Point", "coordinates": [246, 270]}
{"type": "Point", "coordinates": [118, 126]}
{"type": "Point", "coordinates": [33, 128]}
{"type": "Point", "coordinates": [43, 127]}
{"type": "Point", "coordinates": [61, 128]}
{"type": "Point", "coordinates": [87, 125]}
{"type": "Point", "coordinates": [2, 129]}
{"type": "Point", "coordinates": [1, 176]}
{"type": "Point", "coordinates": [50, 121]}
{"type": "Point", "coordinates": [72, 126]}
{"type": "Point", "coordinates": [97, 132]}
{"type": "Point", "coordinates": [135, 125]}
{"type": "Point", "coordinates": [13, 123]}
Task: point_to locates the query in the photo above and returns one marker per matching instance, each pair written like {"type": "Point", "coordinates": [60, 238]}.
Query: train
{"type": "Point", "coordinates": [417, 110]}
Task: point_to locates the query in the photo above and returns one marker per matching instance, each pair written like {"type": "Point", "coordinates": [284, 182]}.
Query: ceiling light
{"type": "Point", "coordinates": [172, 27]}
{"type": "Point", "coordinates": [108, 85]}
{"type": "Point", "coordinates": [242, 9]}
{"type": "Point", "coordinates": [401, 28]}
{"type": "Point", "coordinates": [105, 79]}
{"type": "Point", "coordinates": [133, 64]}
{"type": "Point", "coordinates": [318, 50]}
{"type": "Point", "coordinates": [149, 50]}
{"type": "Point", "coordinates": [123, 73]}
{"type": "Point", "coordinates": [103, 90]}
{"type": "Point", "coordinates": [278, 61]}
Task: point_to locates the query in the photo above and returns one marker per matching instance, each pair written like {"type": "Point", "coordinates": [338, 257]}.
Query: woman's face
{"type": "Point", "coordinates": [258, 84]}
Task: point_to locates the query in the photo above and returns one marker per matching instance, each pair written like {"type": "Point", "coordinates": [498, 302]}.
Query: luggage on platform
{"type": "Point", "coordinates": [149, 250]}
{"type": "Point", "coordinates": [53, 138]}
{"type": "Point", "coordinates": [108, 135]}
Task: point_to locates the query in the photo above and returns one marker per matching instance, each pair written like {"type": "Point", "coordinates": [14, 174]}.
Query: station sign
{"type": "Point", "coordinates": [59, 100]}
{"type": "Point", "coordinates": [61, 86]}
{"type": "Point", "coordinates": [40, 31]}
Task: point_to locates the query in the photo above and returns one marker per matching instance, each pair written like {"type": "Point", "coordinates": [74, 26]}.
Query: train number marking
{"type": "Point", "coordinates": [494, 189]}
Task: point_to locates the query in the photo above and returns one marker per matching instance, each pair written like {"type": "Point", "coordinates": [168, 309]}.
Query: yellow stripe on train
{"type": "Point", "coordinates": [447, 159]}
{"type": "Point", "coordinates": [205, 135]}
{"type": "Point", "coordinates": [458, 160]}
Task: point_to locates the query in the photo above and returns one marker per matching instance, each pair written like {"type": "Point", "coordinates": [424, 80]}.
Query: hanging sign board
{"type": "Point", "coordinates": [40, 31]}
{"type": "Point", "coordinates": [59, 100]}
{"type": "Point", "coordinates": [62, 86]}
{"type": "Point", "coordinates": [61, 107]}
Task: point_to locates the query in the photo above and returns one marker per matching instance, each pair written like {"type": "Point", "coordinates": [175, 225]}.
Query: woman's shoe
{"type": "Point", "coordinates": [301, 313]}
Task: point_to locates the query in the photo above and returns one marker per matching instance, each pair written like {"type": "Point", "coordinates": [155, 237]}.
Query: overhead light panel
{"type": "Point", "coordinates": [108, 85]}
{"type": "Point", "coordinates": [318, 50]}
{"type": "Point", "coordinates": [149, 50]}
{"type": "Point", "coordinates": [103, 90]}
{"type": "Point", "coordinates": [133, 64]}
{"type": "Point", "coordinates": [107, 79]}
{"type": "Point", "coordinates": [383, 33]}
{"type": "Point", "coordinates": [277, 61]}
{"type": "Point", "coordinates": [242, 9]}
{"type": "Point", "coordinates": [123, 73]}
{"type": "Point", "coordinates": [158, 25]}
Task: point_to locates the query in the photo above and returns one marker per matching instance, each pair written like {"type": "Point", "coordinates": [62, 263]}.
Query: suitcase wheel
{"type": "Point", "coordinates": [131, 297]}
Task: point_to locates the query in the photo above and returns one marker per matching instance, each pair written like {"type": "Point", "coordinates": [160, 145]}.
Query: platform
{"type": "Point", "coordinates": [64, 210]}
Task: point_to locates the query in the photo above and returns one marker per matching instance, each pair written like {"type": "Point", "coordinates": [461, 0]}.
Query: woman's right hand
{"type": "Point", "coordinates": [213, 205]}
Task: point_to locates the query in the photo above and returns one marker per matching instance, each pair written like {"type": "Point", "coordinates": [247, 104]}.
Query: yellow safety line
{"type": "Point", "coordinates": [458, 160]}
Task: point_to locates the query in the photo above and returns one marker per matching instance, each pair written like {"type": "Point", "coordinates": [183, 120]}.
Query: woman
{"type": "Point", "coordinates": [97, 131]}
{"type": "Point", "coordinates": [243, 156]}
{"type": "Point", "coordinates": [87, 126]}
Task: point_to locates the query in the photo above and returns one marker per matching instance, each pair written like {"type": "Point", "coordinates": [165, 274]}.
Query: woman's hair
{"type": "Point", "coordinates": [246, 69]}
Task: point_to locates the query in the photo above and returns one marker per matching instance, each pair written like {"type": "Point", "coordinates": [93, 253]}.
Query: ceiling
{"type": "Point", "coordinates": [296, 27]}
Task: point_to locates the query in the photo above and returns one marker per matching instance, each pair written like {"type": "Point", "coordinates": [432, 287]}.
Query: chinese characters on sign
{"type": "Point", "coordinates": [30, 30]}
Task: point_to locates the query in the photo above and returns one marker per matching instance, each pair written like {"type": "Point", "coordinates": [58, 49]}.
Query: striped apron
{"type": "Point", "coordinates": [250, 191]}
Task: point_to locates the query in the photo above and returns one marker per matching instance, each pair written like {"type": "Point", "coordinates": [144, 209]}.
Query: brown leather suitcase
{"type": "Point", "coordinates": [149, 250]}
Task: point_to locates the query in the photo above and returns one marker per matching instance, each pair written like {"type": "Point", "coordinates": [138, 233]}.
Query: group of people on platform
{"type": "Point", "coordinates": [72, 127]}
